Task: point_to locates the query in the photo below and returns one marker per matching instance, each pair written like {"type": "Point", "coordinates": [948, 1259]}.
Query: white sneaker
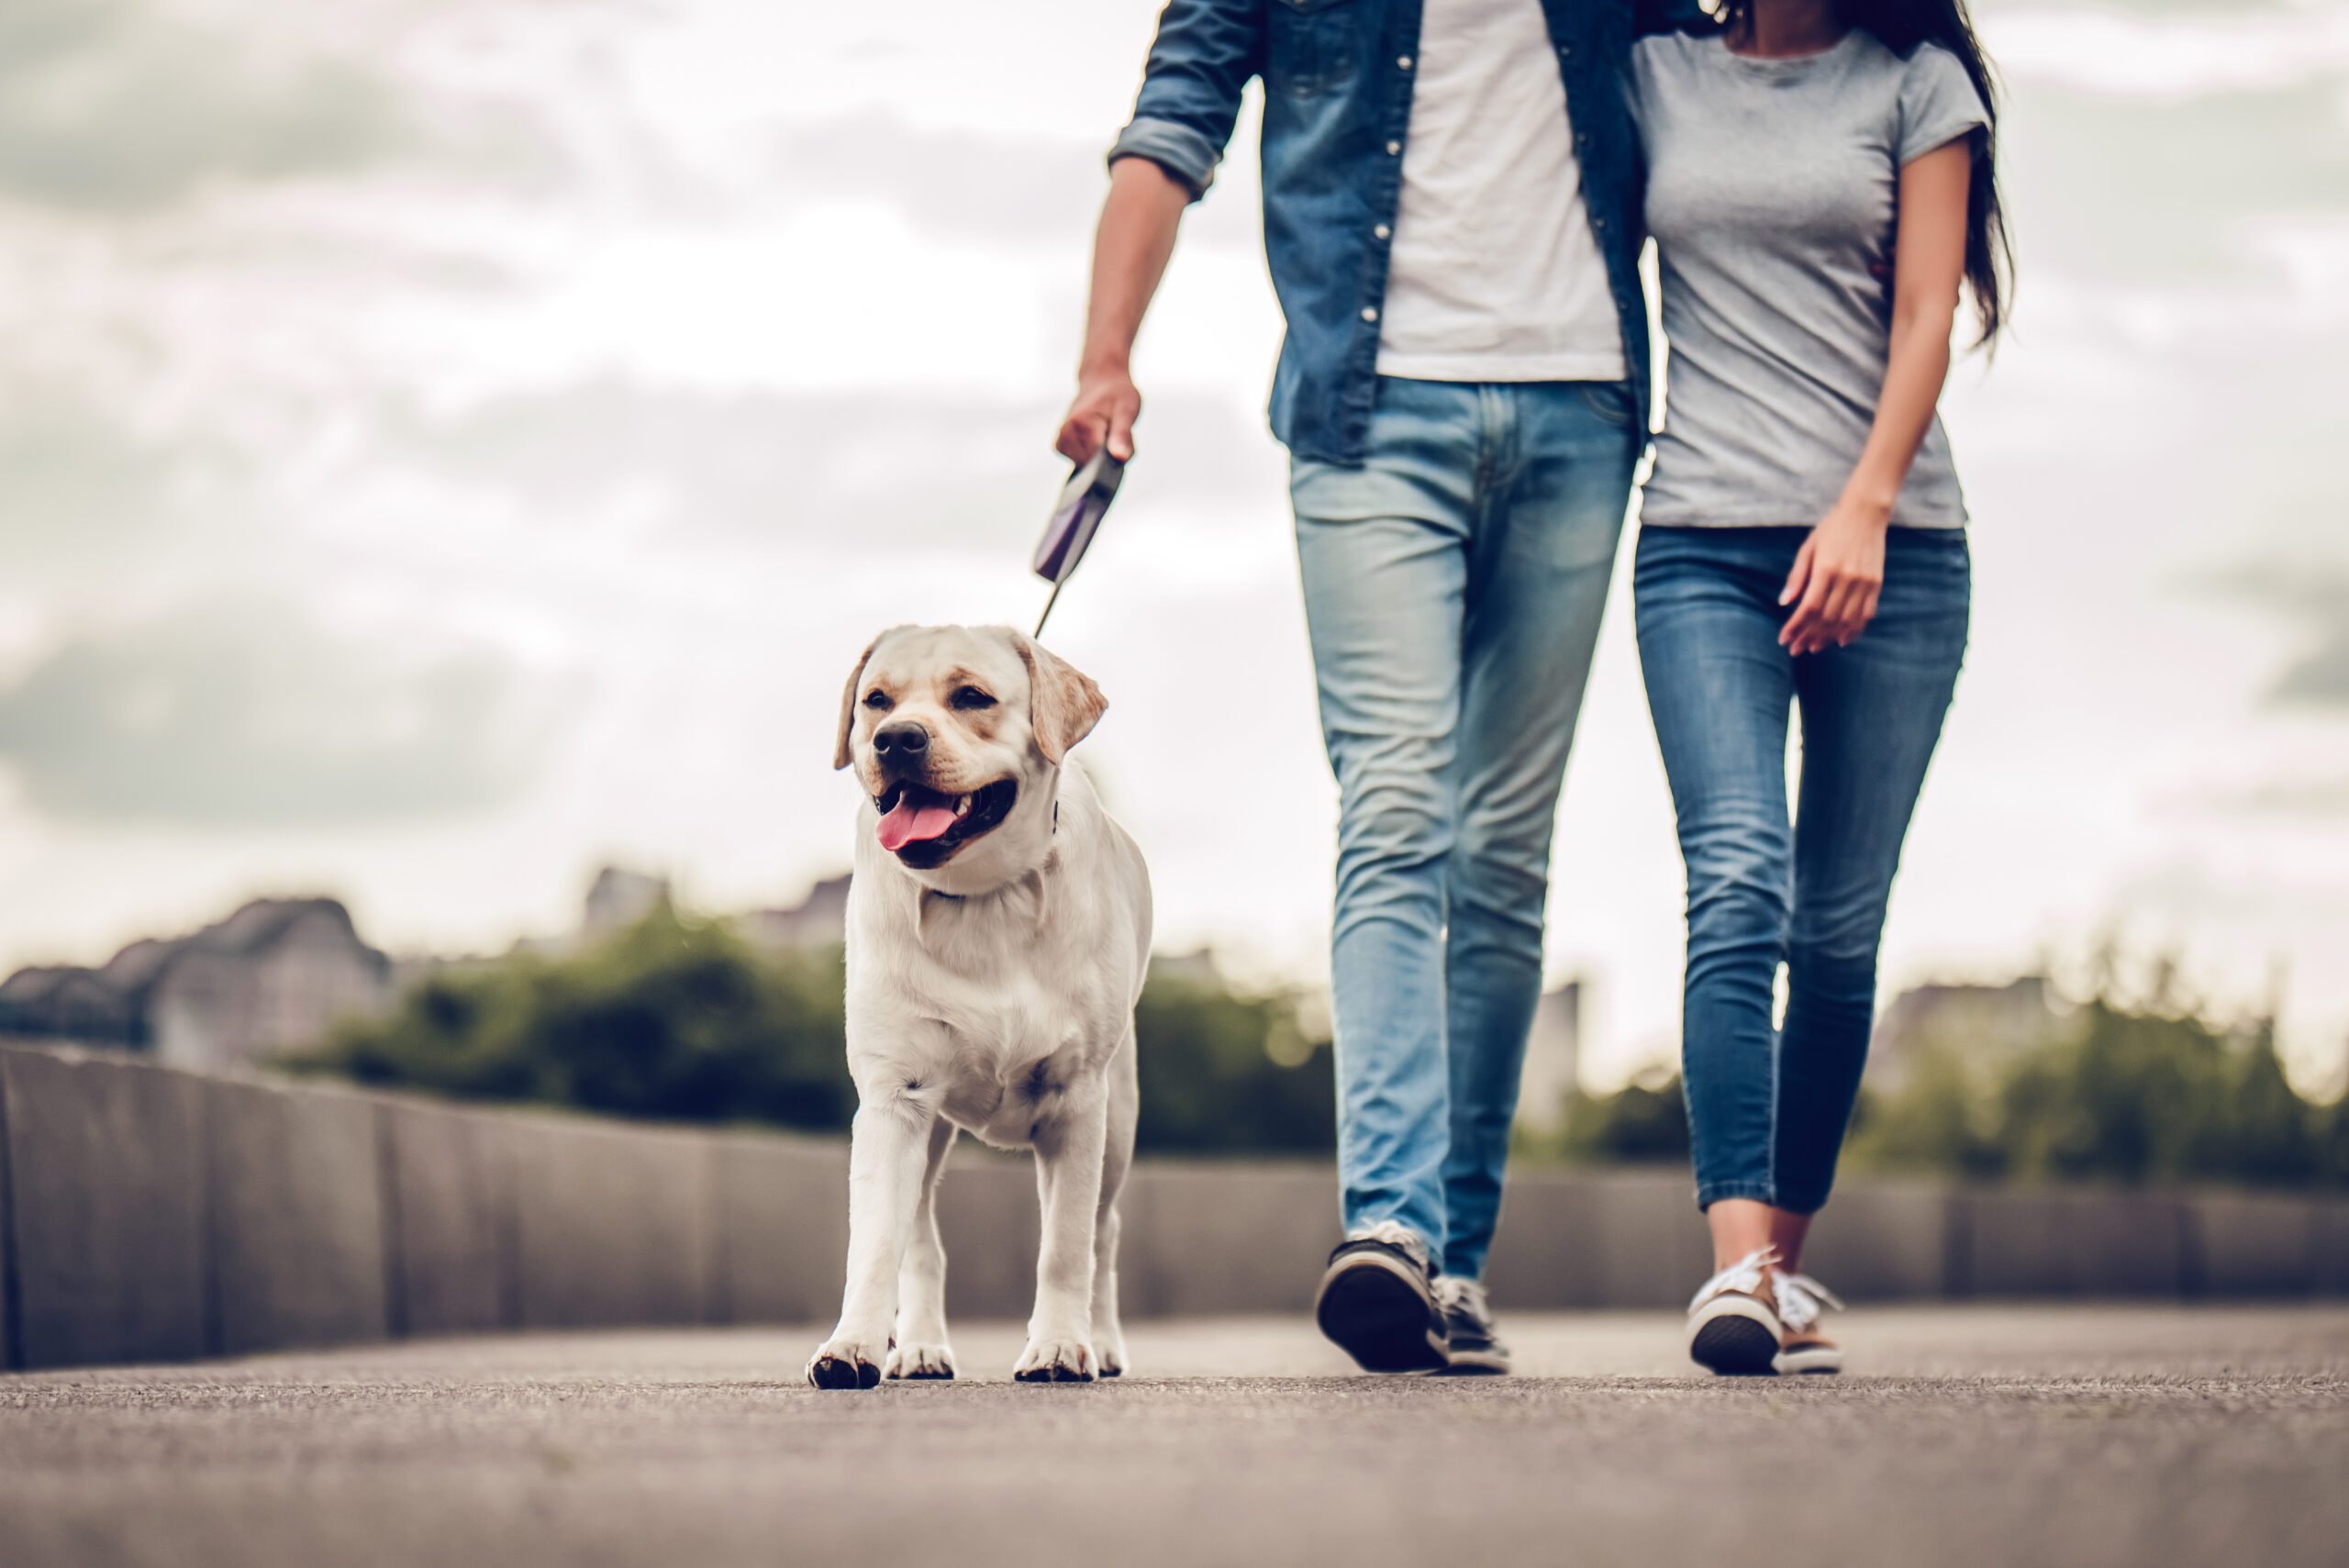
{"type": "Point", "coordinates": [1802, 1347]}
{"type": "Point", "coordinates": [1733, 1325]}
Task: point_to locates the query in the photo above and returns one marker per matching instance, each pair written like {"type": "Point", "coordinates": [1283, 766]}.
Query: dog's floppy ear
{"type": "Point", "coordinates": [842, 757]}
{"type": "Point", "coordinates": [1063, 705]}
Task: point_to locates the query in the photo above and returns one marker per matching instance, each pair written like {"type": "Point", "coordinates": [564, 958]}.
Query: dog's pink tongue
{"type": "Point", "coordinates": [908, 822]}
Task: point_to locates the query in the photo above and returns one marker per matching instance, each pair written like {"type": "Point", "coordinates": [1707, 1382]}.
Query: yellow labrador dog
{"type": "Point", "coordinates": [999, 927]}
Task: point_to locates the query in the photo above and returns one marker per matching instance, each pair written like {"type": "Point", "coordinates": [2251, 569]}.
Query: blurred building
{"type": "Point", "coordinates": [86, 1006]}
{"type": "Point", "coordinates": [616, 899]}
{"type": "Point", "coordinates": [1553, 1058]}
{"type": "Point", "coordinates": [819, 920]}
{"type": "Point", "coordinates": [271, 978]}
{"type": "Point", "coordinates": [619, 899]}
{"type": "Point", "coordinates": [1985, 1024]}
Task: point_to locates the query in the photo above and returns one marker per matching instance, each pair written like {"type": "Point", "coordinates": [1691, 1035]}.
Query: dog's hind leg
{"type": "Point", "coordinates": [921, 1351]}
{"type": "Point", "coordinates": [885, 1173]}
{"type": "Point", "coordinates": [1068, 1186]}
{"type": "Point", "coordinates": [1117, 1159]}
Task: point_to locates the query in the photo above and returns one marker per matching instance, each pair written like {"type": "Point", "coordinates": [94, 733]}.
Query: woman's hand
{"type": "Point", "coordinates": [1838, 574]}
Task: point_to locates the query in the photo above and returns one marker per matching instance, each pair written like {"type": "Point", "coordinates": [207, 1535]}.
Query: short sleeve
{"type": "Point", "coordinates": [1938, 103]}
{"type": "Point", "coordinates": [1658, 62]}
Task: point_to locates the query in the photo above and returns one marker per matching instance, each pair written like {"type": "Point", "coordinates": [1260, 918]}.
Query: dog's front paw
{"type": "Point", "coordinates": [844, 1363]}
{"type": "Point", "coordinates": [921, 1361]}
{"type": "Point", "coordinates": [1054, 1360]}
{"type": "Point", "coordinates": [1111, 1359]}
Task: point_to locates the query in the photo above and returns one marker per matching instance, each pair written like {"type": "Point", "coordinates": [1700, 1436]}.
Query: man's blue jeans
{"type": "Point", "coordinates": [1767, 1105]}
{"type": "Point", "coordinates": [1453, 588]}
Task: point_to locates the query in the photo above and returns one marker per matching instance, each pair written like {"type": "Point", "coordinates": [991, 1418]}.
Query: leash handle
{"type": "Point", "coordinates": [1084, 501]}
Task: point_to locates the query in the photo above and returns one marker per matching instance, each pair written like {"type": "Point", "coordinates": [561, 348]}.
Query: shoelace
{"type": "Point", "coordinates": [1801, 1300]}
{"type": "Point", "coordinates": [1744, 1274]}
{"type": "Point", "coordinates": [1394, 1233]}
{"type": "Point", "coordinates": [1463, 1295]}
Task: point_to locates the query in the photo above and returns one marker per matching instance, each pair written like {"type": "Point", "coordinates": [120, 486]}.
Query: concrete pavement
{"type": "Point", "coordinates": [1979, 1436]}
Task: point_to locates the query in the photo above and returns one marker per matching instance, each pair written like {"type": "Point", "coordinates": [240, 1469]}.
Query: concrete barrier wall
{"type": "Point", "coordinates": [1202, 1237]}
{"type": "Point", "coordinates": [149, 1214]}
{"type": "Point", "coordinates": [298, 1242]}
{"type": "Point", "coordinates": [2025, 1243]}
{"type": "Point", "coordinates": [106, 1216]}
{"type": "Point", "coordinates": [780, 1237]}
{"type": "Point", "coordinates": [448, 1220]}
{"type": "Point", "coordinates": [611, 1223]}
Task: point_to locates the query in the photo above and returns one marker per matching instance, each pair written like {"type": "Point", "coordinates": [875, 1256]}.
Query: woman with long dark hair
{"type": "Point", "coordinates": [1820, 187]}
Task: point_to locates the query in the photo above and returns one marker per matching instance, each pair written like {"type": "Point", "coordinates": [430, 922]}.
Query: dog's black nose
{"type": "Point", "coordinates": [902, 741]}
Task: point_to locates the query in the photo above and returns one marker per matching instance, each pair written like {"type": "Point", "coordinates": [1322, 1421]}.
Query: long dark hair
{"type": "Point", "coordinates": [1901, 26]}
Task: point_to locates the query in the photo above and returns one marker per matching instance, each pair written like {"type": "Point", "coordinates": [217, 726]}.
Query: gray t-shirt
{"type": "Point", "coordinates": [1772, 194]}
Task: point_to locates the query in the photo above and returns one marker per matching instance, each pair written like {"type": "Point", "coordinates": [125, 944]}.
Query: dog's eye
{"type": "Point", "coordinates": [877, 701]}
{"type": "Point", "coordinates": [971, 697]}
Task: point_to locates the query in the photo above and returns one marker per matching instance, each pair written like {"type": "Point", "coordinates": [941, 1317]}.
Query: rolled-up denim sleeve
{"type": "Point", "coordinates": [1205, 52]}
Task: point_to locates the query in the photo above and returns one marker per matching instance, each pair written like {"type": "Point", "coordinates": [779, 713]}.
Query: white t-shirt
{"type": "Point", "coordinates": [1494, 275]}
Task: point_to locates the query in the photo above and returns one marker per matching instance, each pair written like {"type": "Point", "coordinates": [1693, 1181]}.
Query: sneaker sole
{"type": "Point", "coordinates": [1368, 1309]}
{"type": "Point", "coordinates": [1810, 1364]}
{"type": "Point", "coordinates": [1473, 1363]}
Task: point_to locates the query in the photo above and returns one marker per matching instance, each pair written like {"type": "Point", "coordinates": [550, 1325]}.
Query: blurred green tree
{"type": "Point", "coordinates": [1223, 1074]}
{"type": "Point", "coordinates": [673, 1018]}
{"type": "Point", "coordinates": [1942, 1123]}
{"type": "Point", "coordinates": [1644, 1123]}
{"type": "Point", "coordinates": [2118, 1095]}
{"type": "Point", "coordinates": [678, 1020]}
{"type": "Point", "coordinates": [2128, 1096]}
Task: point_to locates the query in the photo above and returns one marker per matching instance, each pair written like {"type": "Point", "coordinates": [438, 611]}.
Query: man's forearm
{"type": "Point", "coordinates": [1130, 253]}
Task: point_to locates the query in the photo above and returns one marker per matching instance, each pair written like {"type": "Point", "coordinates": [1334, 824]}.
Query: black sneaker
{"type": "Point", "coordinates": [1377, 1302]}
{"type": "Point", "coordinates": [1471, 1347]}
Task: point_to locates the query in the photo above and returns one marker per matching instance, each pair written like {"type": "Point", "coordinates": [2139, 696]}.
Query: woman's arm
{"type": "Point", "coordinates": [1840, 571]}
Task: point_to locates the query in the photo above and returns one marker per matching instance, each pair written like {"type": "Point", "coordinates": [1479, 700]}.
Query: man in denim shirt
{"type": "Point", "coordinates": [1451, 220]}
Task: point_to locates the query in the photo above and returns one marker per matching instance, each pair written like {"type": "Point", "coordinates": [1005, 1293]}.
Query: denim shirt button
{"type": "Point", "coordinates": [1403, 62]}
{"type": "Point", "coordinates": [1392, 148]}
{"type": "Point", "coordinates": [1370, 313]}
{"type": "Point", "coordinates": [1381, 232]}
{"type": "Point", "coordinates": [1566, 51]}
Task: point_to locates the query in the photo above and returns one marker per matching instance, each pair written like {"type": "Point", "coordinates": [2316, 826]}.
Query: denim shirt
{"type": "Point", "coordinates": [1338, 81]}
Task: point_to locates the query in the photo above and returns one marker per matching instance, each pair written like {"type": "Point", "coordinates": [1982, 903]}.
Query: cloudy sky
{"type": "Point", "coordinates": [445, 444]}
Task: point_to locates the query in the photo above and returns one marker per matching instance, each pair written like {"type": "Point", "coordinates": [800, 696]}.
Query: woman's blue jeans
{"type": "Point", "coordinates": [1452, 589]}
{"type": "Point", "coordinates": [1767, 1105]}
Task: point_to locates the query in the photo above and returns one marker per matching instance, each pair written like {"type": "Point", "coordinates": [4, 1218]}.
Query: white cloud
{"type": "Point", "coordinates": [767, 355]}
{"type": "Point", "coordinates": [242, 711]}
{"type": "Point", "coordinates": [2169, 57]}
